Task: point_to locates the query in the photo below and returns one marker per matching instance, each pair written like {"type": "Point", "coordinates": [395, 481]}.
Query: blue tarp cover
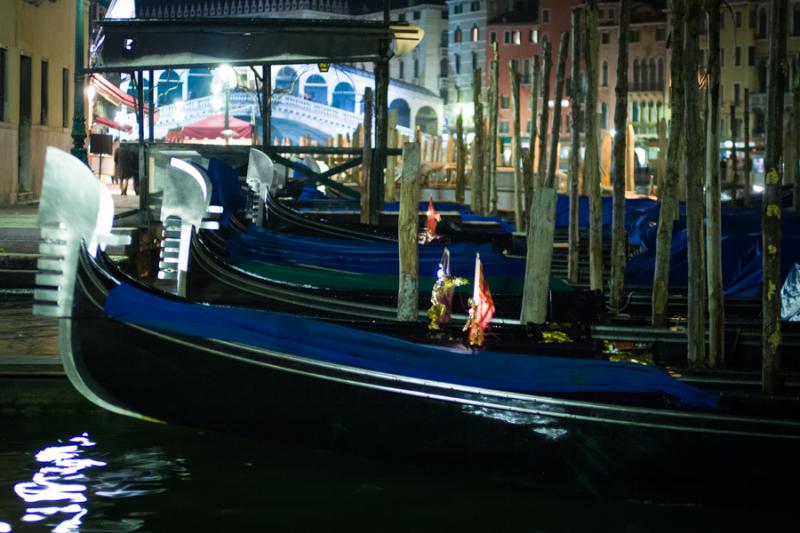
{"type": "Point", "coordinates": [331, 343]}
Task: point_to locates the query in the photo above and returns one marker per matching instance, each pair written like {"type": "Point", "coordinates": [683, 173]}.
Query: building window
{"type": "Point", "coordinates": [416, 68]}
{"type": "Point", "coordinates": [402, 73]}
{"type": "Point", "coordinates": [660, 73]}
{"type": "Point", "coordinates": [528, 127]}
{"type": "Point", "coordinates": [443, 68]}
{"type": "Point", "coordinates": [721, 20]}
{"type": "Point", "coordinates": [474, 61]}
{"type": "Point", "coordinates": [737, 59]}
{"type": "Point", "coordinates": [2, 84]}
{"type": "Point", "coordinates": [612, 14]}
{"type": "Point", "coordinates": [605, 37]}
{"type": "Point", "coordinates": [416, 15]}
{"type": "Point", "coordinates": [444, 39]}
{"type": "Point", "coordinates": [475, 6]}
{"type": "Point", "coordinates": [457, 35]}
{"type": "Point", "coordinates": [604, 116]}
{"type": "Point", "coordinates": [635, 112]}
{"type": "Point", "coordinates": [504, 102]}
{"type": "Point", "coordinates": [515, 37]}
{"type": "Point", "coordinates": [751, 19]}
{"type": "Point", "coordinates": [458, 64]}
{"type": "Point", "coordinates": [503, 126]}
{"type": "Point", "coordinates": [533, 36]}
{"type": "Point", "coordinates": [514, 65]}
{"type": "Point", "coordinates": [652, 74]}
{"type": "Point", "coordinates": [64, 97]}
{"type": "Point", "coordinates": [643, 73]}
{"type": "Point", "coordinates": [721, 57]}
{"type": "Point", "coordinates": [458, 9]}
{"type": "Point", "coordinates": [506, 37]}
{"type": "Point", "coordinates": [736, 89]}
{"type": "Point", "coordinates": [604, 74]}
{"type": "Point", "coordinates": [634, 36]}
{"type": "Point", "coordinates": [443, 95]}
{"type": "Point", "coordinates": [401, 17]}
{"type": "Point", "coordinates": [762, 23]}
{"type": "Point", "coordinates": [45, 99]}
{"type": "Point", "coordinates": [737, 19]}
{"type": "Point", "coordinates": [545, 16]}
{"type": "Point", "coordinates": [493, 37]}
{"type": "Point", "coordinates": [526, 71]}
{"type": "Point", "coordinates": [635, 74]}
{"type": "Point", "coordinates": [474, 34]}
{"type": "Point", "coordinates": [751, 56]}
{"type": "Point", "coordinates": [661, 34]}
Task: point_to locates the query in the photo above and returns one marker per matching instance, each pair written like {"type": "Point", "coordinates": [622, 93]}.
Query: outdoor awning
{"type": "Point", "coordinates": [213, 127]}
{"type": "Point", "coordinates": [136, 44]}
{"type": "Point", "coordinates": [114, 94]}
{"type": "Point", "coordinates": [107, 122]}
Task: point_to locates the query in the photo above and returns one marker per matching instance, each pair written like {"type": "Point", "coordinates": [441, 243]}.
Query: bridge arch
{"type": "Point", "coordinates": [427, 120]}
{"type": "Point", "coordinates": [344, 97]}
{"type": "Point", "coordinates": [286, 81]}
{"type": "Point", "coordinates": [403, 112]}
{"type": "Point", "coordinates": [169, 87]}
{"type": "Point", "coordinates": [316, 89]}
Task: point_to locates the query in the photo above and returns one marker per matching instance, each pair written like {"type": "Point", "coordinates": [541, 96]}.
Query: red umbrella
{"type": "Point", "coordinates": [213, 127]}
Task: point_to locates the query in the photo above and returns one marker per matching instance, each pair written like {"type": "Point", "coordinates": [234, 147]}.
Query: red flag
{"type": "Point", "coordinates": [433, 219]}
{"type": "Point", "coordinates": [481, 305]}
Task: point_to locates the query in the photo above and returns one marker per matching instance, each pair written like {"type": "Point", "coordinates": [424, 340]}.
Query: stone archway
{"type": "Point", "coordinates": [286, 81]}
{"type": "Point", "coordinates": [316, 89]}
{"type": "Point", "coordinates": [344, 97]}
{"type": "Point", "coordinates": [169, 88]}
{"type": "Point", "coordinates": [427, 120]}
{"type": "Point", "coordinates": [403, 112]}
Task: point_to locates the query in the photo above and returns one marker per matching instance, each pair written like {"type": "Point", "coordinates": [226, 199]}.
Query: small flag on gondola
{"type": "Point", "coordinates": [442, 293]}
{"type": "Point", "coordinates": [431, 222]}
{"type": "Point", "coordinates": [481, 306]}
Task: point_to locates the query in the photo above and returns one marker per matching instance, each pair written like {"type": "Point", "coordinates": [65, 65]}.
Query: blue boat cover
{"type": "Point", "coordinates": [331, 343]}
{"type": "Point", "coordinates": [225, 188]}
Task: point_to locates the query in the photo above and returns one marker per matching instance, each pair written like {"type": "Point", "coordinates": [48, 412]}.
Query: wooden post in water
{"type": "Point", "coordinates": [618, 241]}
{"type": "Point", "coordinates": [407, 225]}
{"type": "Point", "coordinates": [542, 224]}
{"type": "Point", "coordinates": [795, 131]}
{"type": "Point", "coordinates": [516, 151]}
{"type": "Point", "coordinates": [771, 210]}
{"type": "Point", "coordinates": [476, 186]}
{"type": "Point", "coordinates": [661, 162]}
{"type": "Point", "coordinates": [367, 183]}
{"type": "Point", "coordinates": [630, 154]}
{"type": "Point", "coordinates": [716, 298]}
{"type": "Point", "coordinates": [391, 160]}
{"type": "Point", "coordinates": [529, 177]}
{"type": "Point", "coordinates": [559, 92]}
{"type": "Point", "coordinates": [734, 178]}
{"type": "Point", "coordinates": [694, 190]}
{"type": "Point", "coordinates": [747, 163]}
{"type": "Point", "coordinates": [592, 159]}
{"type": "Point", "coordinates": [490, 183]}
{"type": "Point", "coordinates": [575, 149]}
{"type": "Point", "coordinates": [461, 159]}
{"type": "Point", "coordinates": [544, 117]}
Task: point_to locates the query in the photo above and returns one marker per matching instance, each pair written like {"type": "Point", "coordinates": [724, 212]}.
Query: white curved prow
{"type": "Point", "coordinates": [260, 180]}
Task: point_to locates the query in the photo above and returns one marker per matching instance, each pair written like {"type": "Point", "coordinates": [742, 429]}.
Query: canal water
{"type": "Point", "coordinates": [100, 472]}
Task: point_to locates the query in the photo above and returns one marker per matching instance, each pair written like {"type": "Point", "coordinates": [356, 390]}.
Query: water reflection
{"type": "Point", "coordinates": [70, 482]}
{"type": "Point", "coordinates": [57, 482]}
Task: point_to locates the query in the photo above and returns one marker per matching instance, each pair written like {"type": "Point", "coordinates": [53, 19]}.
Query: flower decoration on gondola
{"type": "Point", "coordinates": [432, 219]}
{"type": "Point", "coordinates": [481, 306]}
{"type": "Point", "coordinates": [442, 293]}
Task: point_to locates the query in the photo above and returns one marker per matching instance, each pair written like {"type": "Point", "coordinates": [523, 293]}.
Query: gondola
{"type": "Point", "coordinates": [613, 428]}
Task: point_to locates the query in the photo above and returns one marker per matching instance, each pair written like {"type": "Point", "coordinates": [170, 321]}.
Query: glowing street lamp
{"type": "Point", "coordinates": [225, 79]}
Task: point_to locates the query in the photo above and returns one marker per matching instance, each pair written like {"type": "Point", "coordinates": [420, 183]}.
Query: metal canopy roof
{"type": "Point", "coordinates": [143, 44]}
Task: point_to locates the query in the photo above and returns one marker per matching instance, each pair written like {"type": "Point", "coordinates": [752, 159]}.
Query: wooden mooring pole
{"type": "Point", "coordinates": [771, 209]}
{"type": "Point", "coordinates": [516, 151]}
{"type": "Point", "coordinates": [575, 150]}
{"type": "Point", "coordinates": [461, 159]}
{"type": "Point", "coordinates": [391, 160]}
{"type": "Point", "coordinates": [367, 183]}
{"type": "Point", "coordinates": [592, 159]}
{"type": "Point", "coordinates": [407, 226]}
{"type": "Point", "coordinates": [544, 118]}
{"type": "Point", "coordinates": [695, 208]}
{"type": "Point", "coordinates": [541, 227]}
{"type": "Point", "coordinates": [618, 241]}
{"type": "Point", "coordinates": [747, 161]}
{"type": "Point", "coordinates": [795, 139]}
{"type": "Point", "coordinates": [476, 187]}
{"type": "Point", "coordinates": [534, 107]}
{"type": "Point", "coordinates": [716, 298]}
{"type": "Point", "coordinates": [734, 178]}
{"type": "Point", "coordinates": [490, 182]}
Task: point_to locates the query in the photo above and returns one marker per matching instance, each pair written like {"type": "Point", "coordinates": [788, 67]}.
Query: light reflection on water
{"type": "Point", "coordinates": [72, 480]}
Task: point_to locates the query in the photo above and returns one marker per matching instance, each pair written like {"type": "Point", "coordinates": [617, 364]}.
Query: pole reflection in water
{"type": "Point", "coordinates": [61, 481]}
